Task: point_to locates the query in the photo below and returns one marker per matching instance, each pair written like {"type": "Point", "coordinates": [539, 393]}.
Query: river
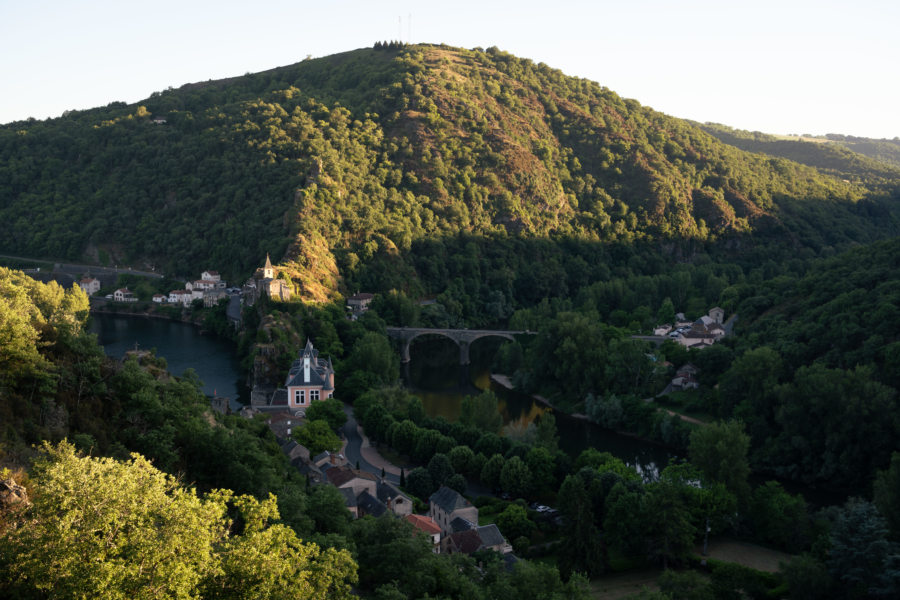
{"type": "Point", "coordinates": [183, 347]}
{"type": "Point", "coordinates": [434, 375]}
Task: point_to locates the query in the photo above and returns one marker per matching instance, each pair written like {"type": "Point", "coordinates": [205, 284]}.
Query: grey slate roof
{"type": "Point", "coordinates": [387, 490]}
{"type": "Point", "coordinates": [370, 505]}
{"type": "Point", "coordinates": [490, 535]}
{"type": "Point", "coordinates": [319, 370]}
{"type": "Point", "coordinates": [279, 398]}
{"type": "Point", "coordinates": [460, 524]}
{"type": "Point", "coordinates": [349, 497]}
{"type": "Point", "coordinates": [448, 499]}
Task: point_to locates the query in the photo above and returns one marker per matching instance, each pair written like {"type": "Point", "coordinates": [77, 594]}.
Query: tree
{"type": "Point", "coordinates": [778, 517]}
{"type": "Point", "coordinates": [887, 494]}
{"type": "Point", "coordinates": [667, 522]}
{"type": "Point", "coordinates": [514, 522]}
{"type": "Point", "coordinates": [515, 477]}
{"type": "Point", "coordinates": [462, 458]}
{"type": "Point", "coordinates": [419, 483]}
{"type": "Point", "coordinates": [457, 482]}
{"type": "Point", "coordinates": [440, 468]}
{"type": "Point", "coordinates": [859, 548]}
{"type": "Point", "coordinates": [582, 551]}
{"type": "Point", "coordinates": [490, 473]}
{"type": "Point", "coordinates": [317, 436]}
{"type": "Point", "coordinates": [330, 410]}
{"type": "Point", "coordinates": [103, 528]}
{"type": "Point", "coordinates": [481, 412]}
{"type": "Point", "coordinates": [547, 435]}
{"type": "Point", "coordinates": [540, 464]}
{"type": "Point", "coordinates": [720, 450]}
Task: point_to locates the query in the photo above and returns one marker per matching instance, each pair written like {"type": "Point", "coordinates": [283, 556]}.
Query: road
{"type": "Point", "coordinates": [78, 269]}
{"type": "Point", "coordinates": [359, 450]}
{"type": "Point", "coordinates": [234, 308]}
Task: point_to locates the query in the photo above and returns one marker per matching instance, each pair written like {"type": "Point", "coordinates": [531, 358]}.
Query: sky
{"type": "Point", "coordinates": [783, 67]}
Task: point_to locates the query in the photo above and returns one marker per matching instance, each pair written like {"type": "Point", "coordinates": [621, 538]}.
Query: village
{"type": "Point", "coordinates": [450, 520]}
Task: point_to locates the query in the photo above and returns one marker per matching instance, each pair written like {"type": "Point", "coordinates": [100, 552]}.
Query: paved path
{"type": "Point", "coordinates": [358, 448]}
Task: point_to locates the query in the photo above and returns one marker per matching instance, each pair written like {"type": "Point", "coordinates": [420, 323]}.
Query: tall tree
{"type": "Point", "coordinates": [720, 451]}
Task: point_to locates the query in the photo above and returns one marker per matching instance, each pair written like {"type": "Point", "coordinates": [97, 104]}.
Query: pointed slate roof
{"type": "Point", "coordinates": [319, 369]}
{"type": "Point", "coordinates": [268, 264]}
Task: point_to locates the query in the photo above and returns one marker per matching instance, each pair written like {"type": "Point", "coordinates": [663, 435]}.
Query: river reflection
{"type": "Point", "coordinates": [434, 374]}
{"type": "Point", "coordinates": [183, 347]}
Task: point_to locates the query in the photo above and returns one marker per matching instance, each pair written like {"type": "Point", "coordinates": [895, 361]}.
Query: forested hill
{"type": "Point", "coordinates": [343, 164]}
{"type": "Point", "coordinates": [875, 162]}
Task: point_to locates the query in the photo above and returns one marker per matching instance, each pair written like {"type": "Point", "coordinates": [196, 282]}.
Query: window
{"type": "Point", "coordinates": [313, 395]}
{"type": "Point", "coordinates": [299, 397]}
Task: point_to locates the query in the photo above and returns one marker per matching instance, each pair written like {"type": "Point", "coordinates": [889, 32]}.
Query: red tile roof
{"type": "Point", "coordinates": [423, 523]}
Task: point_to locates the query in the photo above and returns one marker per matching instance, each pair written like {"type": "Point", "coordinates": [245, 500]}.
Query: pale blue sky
{"type": "Point", "coordinates": [776, 66]}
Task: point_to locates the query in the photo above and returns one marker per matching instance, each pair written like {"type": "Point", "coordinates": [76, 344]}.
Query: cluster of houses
{"type": "Point", "coordinates": [210, 288]}
{"type": "Point", "coordinates": [702, 333]}
{"type": "Point", "coordinates": [451, 522]}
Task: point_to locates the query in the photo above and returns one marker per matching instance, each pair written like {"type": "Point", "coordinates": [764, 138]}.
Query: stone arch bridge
{"type": "Point", "coordinates": [462, 337]}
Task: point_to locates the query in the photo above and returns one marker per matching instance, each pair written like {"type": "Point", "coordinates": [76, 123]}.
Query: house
{"type": "Point", "coordinates": [124, 295]}
{"type": "Point", "coordinates": [427, 526]}
{"type": "Point", "coordinates": [717, 314]}
{"type": "Point", "coordinates": [310, 379]}
{"type": "Point", "coordinates": [447, 504]}
{"type": "Point", "coordinates": [200, 284]}
{"type": "Point", "coordinates": [182, 297]}
{"type": "Point", "coordinates": [358, 481]}
{"type": "Point", "coordinates": [282, 424]}
{"type": "Point", "coordinates": [159, 120]}
{"type": "Point", "coordinates": [359, 303]}
{"type": "Point", "coordinates": [159, 298]}
{"type": "Point", "coordinates": [393, 499]}
{"type": "Point", "coordinates": [213, 297]}
{"type": "Point", "coordinates": [329, 459]}
{"type": "Point", "coordinates": [686, 378]}
{"type": "Point", "coordinates": [662, 329]}
{"type": "Point", "coordinates": [486, 537]}
{"type": "Point", "coordinates": [295, 451]}
{"type": "Point", "coordinates": [90, 285]}
{"type": "Point", "coordinates": [210, 276]}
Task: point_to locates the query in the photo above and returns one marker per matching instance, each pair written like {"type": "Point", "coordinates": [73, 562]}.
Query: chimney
{"type": "Point", "coordinates": [306, 368]}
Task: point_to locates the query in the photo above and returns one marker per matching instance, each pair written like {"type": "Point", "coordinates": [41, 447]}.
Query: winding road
{"type": "Point", "coordinates": [358, 449]}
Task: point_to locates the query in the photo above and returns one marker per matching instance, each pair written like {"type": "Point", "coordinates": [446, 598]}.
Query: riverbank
{"type": "Point", "coordinates": [98, 308]}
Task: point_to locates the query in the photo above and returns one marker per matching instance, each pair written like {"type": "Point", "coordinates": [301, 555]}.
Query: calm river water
{"type": "Point", "coordinates": [183, 347]}
{"type": "Point", "coordinates": [434, 375]}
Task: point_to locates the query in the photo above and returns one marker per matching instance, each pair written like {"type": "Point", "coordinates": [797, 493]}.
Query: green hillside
{"type": "Point", "coordinates": [833, 155]}
{"type": "Point", "coordinates": [352, 166]}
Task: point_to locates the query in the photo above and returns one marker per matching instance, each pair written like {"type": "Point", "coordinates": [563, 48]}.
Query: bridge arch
{"type": "Point", "coordinates": [462, 337]}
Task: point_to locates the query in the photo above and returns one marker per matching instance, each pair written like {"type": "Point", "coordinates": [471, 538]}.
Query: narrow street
{"type": "Point", "coordinates": [359, 449]}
